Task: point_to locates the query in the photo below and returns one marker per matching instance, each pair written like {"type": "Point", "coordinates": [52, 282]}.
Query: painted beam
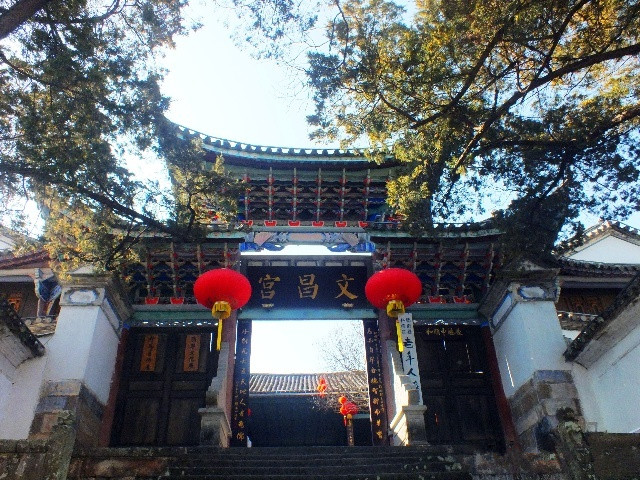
{"type": "Point", "coordinates": [307, 314]}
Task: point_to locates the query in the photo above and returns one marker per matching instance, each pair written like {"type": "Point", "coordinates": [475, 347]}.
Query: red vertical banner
{"type": "Point", "coordinates": [241, 373]}
{"type": "Point", "coordinates": [149, 353]}
{"type": "Point", "coordinates": [377, 407]}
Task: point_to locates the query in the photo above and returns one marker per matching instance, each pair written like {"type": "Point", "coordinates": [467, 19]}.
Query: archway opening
{"type": "Point", "coordinates": [298, 371]}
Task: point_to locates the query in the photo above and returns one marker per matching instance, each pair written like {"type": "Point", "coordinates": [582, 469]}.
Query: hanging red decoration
{"type": "Point", "coordinates": [222, 290]}
{"type": "Point", "coordinates": [322, 387]}
{"type": "Point", "coordinates": [348, 409]}
{"type": "Point", "coordinates": [393, 289]}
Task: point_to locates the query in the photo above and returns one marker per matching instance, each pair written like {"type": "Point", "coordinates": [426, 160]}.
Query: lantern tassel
{"type": "Point", "coordinates": [399, 332]}
{"type": "Point", "coordinates": [220, 310]}
{"type": "Point", "coordinates": [219, 339]}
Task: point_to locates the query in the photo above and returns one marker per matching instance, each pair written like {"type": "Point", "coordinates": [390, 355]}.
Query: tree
{"type": "Point", "coordinates": [79, 94]}
{"type": "Point", "coordinates": [343, 348]}
{"type": "Point", "coordinates": [538, 97]}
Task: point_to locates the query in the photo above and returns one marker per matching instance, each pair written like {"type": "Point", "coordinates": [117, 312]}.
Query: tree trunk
{"type": "Point", "coordinates": [17, 14]}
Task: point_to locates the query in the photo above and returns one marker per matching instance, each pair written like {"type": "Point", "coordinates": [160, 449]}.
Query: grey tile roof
{"type": "Point", "coordinates": [297, 383]}
{"type": "Point", "coordinates": [629, 295]}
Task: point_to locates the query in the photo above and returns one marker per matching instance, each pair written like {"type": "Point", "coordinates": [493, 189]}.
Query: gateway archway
{"type": "Point", "coordinates": [313, 288]}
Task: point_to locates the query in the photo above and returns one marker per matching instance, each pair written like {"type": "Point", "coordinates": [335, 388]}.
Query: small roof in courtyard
{"type": "Point", "coordinates": [307, 383]}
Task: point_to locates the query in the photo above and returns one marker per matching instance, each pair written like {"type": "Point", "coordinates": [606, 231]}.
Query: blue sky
{"type": "Point", "coordinates": [218, 89]}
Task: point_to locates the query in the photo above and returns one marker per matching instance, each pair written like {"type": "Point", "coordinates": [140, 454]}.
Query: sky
{"type": "Point", "coordinates": [219, 90]}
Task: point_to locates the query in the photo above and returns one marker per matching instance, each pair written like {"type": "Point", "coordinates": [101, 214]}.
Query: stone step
{"type": "Point", "coordinates": [316, 460]}
{"type": "Point", "coordinates": [352, 476]}
{"type": "Point", "coordinates": [314, 469]}
{"type": "Point", "coordinates": [270, 451]}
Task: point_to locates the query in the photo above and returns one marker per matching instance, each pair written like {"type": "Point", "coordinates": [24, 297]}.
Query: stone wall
{"type": "Point", "coordinates": [616, 456]}
{"type": "Point", "coordinates": [122, 463]}
{"type": "Point", "coordinates": [70, 396]}
{"type": "Point", "coordinates": [535, 404]}
{"type": "Point", "coordinates": [39, 459]}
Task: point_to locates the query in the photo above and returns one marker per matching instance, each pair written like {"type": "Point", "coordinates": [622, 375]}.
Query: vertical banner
{"type": "Point", "coordinates": [241, 372]}
{"type": "Point", "coordinates": [409, 355]}
{"type": "Point", "coordinates": [149, 353]}
{"type": "Point", "coordinates": [376, 387]}
{"type": "Point", "coordinates": [191, 361]}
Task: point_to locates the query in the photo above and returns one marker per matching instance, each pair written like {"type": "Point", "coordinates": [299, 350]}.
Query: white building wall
{"type": "Point", "coordinates": [610, 389]}
{"type": "Point", "coordinates": [101, 368]}
{"type": "Point", "coordinates": [17, 412]}
{"type": "Point", "coordinates": [5, 389]}
{"type": "Point", "coordinates": [83, 348]}
{"type": "Point", "coordinates": [609, 250]}
{"type": "Point", "coordinates": [529, 339]}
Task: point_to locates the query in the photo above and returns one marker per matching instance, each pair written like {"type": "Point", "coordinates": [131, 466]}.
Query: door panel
{"type": "Point", "coordinates": [456, 386]}
{"type": "Point", "coordinates": [166, 373]}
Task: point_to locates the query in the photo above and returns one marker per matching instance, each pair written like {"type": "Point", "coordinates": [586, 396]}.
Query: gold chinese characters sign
{"type": "Point", "coordinates": [240, 406]}
{"type": "Point", "coordinates": [191, 353]}
{"type": "Point", "coordinates": [376, 386]}
{"type": "Point", "coordinates": [149, 353]}
{"type": "Point", "coordinates": [308, 287]}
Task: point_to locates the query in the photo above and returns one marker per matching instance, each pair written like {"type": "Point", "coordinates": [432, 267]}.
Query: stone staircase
{"type": "Point", "coordinates": [305, 463]}
{"type": "Point", "coordinates": [362, 463]}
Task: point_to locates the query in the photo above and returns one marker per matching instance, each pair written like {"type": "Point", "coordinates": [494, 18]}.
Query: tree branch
{"type": "Point", "coordinates": [74, 187]}
{"type": "Point", "coordinates": [578, 65]}
{"type": "Point", "coordinates": [17, 14]}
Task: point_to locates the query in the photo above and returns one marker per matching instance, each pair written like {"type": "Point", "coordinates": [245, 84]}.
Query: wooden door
{"type": "Point", "coordinates": [457, 387]}
{"type": "Point", "coordinates": [166, 373]}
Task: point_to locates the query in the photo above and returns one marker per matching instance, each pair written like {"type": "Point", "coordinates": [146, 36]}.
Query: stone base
{"type": "Point", "coordinates": [408, 427]}
{"type": "Point", "coordinates": [214, 427]}
{"type": "Point", "coordinates": [535, 404]}
{"type": "Point", "coordinates": [68, 397]}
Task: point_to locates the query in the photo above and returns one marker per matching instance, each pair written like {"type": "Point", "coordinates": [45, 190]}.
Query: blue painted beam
{"type": "Point", "coordinates": [307, 314]}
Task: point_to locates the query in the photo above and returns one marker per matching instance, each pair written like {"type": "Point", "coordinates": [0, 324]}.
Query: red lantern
{"type": "Point", "coordinates": [222, 290]}
{"type": "Point", "coordinates": [322, 387]}
{"type": "Point", "coordinates": [393, 289]}
{"type": "Point", "coordinates": [348, 409]}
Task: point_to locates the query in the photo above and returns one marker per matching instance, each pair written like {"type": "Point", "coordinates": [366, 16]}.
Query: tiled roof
{"type": "Point", "coordinates": [600, 230]}
{"type": "Point", "coordinates": [261, 152]}
{"type": "Point", "coordinates": [622, 301]}
{"type": "Point", "coordinates": [11, 322]}
{"type": "Point", "coordinates": [583, 268]}
{"type": "Point", "coordinates": [34, 259]}
{"type": "Point", "coordinates": [41, 326]}
{"type": "Point", "coordinates": [297, 383]}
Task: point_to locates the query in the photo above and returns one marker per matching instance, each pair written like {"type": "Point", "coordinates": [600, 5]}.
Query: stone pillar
{"type": "Point", "coordinates": [82, 355]}
{"type": "Point", "coordinates": [529, 348]}
{"type": "Point", "coordinates": [407, 427]}
{"type": "Point", "coordinates": [214, 423]}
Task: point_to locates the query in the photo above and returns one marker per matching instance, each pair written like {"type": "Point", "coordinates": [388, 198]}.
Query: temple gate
{"type": "Point", "coordinates": [334, 198]}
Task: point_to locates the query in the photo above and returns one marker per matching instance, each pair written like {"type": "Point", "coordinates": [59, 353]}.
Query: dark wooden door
{"type": "Point", "coordinates": [166, 373]}
{"type": "Point", "coordinates": [457, 387]}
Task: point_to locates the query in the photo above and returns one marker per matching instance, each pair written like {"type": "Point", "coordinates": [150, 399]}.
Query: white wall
{"type": "Point", "coordinates": [22, 398]}
{"type": "Point", "coordinates": [5, 389]}
{"type": "Point", "coordinates": [529, 339]}
{"type": "Point", "coordinates": [609, 250]}
{"type": "Point", "coordinates": [610, 389]}
{"type": "Point", "coordinates": [83, 348]}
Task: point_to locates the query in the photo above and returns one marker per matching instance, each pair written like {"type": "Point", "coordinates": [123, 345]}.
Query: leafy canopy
{"type": "Point", "coordinates": [537, 97]}
{"type": "Point", "coordinates": [79, 95]}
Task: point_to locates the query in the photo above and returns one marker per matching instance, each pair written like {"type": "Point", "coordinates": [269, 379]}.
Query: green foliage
{"type": "Point", "coordinates": [540, 97]}
{"type": "Point", "coordinates": [80, 94]}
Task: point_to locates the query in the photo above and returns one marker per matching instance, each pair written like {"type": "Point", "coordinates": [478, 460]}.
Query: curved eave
{"type": "Point", "coordinates": [245, 154]}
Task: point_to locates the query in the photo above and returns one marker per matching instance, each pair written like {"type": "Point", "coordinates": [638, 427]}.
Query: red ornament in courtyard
{"type": "Point", "coordinates": [222, 290]}
{"type": "Point", "coordinates": [393, 289]}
